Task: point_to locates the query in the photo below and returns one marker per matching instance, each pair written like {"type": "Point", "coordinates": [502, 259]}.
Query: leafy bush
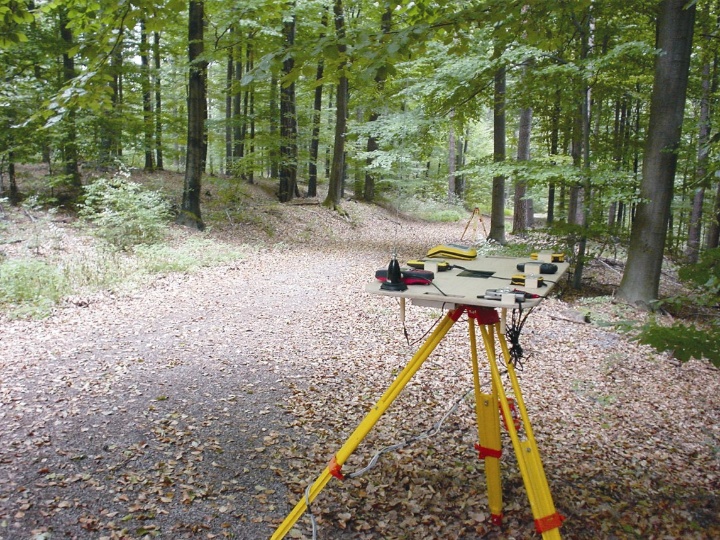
{"type": "Point", "coordinates": [124, 213]}
{"type": "Point", "coordinates": [684, 342]}
{"type": "Point", "coordinates": [704, 275]}
{"type": "Point", "coordinates": [31, 286]}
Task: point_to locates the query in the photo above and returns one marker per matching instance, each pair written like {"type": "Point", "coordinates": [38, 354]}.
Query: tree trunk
{"type": "Point", "coordinates": [273, 128]}
{"type": "Point", "coordinates": [13, 192]}
{"type": "Point", "coordinates": [497, 212]}
{"type": "Point", "coordinates": [229, 78]}
{"type": "Point", "coordinates": [338, 160]}
{"type": "Point", "coordinates": [250, 139]}
{"type": "Point", "coordinates": [238, 143]}
{"type": "Point", "coordinates": [288, 125]}
{"type": "Point", "coordinates": [451, 161]}
{"type": "Point", "coordinates": [461, 153]}
{"type": "Point", "coordinates": [197, 115]}
{"type": "Point", "coordinates": [111, 127]}
{"type": "Point", "coordinates": [520, 212]}
{"type": "Point", "coordinates": [713, 233]}
{"type": "Point", "coordinates": [158, 104]}
{"type": "Point", "coordinates": [641, 280]}
{"type": "Point", "coordinates": [146, 98]}
{"type": "Point", "coordinates": [692, 250]}
{"type": "Point", "coordinates": [554, 150]}
{"type": "Point", "coordinates": [70, 148]}
{"type": "Point", "coordinates": [372, 143]}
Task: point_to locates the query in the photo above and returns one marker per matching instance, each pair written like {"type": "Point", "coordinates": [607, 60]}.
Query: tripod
{"type": "Point", "coordinates": [488, 407]}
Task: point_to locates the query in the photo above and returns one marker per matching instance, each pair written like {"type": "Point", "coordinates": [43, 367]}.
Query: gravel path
{"type": "Point", "coordinates": [201, 406]}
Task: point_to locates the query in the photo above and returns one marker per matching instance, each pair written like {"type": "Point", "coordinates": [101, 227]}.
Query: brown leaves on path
{"type": "Point", "coordinates": [202, 406]}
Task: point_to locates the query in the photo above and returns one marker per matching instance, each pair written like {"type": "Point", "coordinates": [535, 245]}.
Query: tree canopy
{"type": "Point", "coordinates": [408, 89]}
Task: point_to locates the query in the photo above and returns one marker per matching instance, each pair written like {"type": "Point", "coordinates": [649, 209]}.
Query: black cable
{"type": "Point", "coordinates": [512, 332]}
{"type": "Point", "coordinates": [438, 288]}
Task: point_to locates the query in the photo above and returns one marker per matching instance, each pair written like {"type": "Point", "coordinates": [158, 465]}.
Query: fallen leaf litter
{"type": "Point", "coordinates": [202, 406]}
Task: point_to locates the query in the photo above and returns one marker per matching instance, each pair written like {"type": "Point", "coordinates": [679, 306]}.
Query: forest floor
{"type": "Point", "coordinates": [200, 405]}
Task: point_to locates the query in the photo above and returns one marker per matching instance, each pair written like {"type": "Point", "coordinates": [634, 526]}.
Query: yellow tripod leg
{"type": "Point", "coordinates": [351, 444]}
{"type": "Point", "coordinates": [547, 519]}
{"type": "Point", "coordinates": [488, 425]}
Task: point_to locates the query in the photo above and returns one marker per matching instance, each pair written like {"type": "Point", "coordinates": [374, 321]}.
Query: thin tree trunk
{"type": "Point", "coordinates": [316, 117]}
{"type": "Point", "coordinates": [288, 126]}
{"type": "Point", "coordinates": [497, 211]}
{"type": "Point", "coordinates": [70, 149]}
{"type": "Point", "coordinates": [146, 98]}
{"type": "Point", "coordinates": [229, 76]}
{"type": "Point", "coordinates": [713, 234]}
{"type": "Point", "coordinates": [315, 137]}
{"type": "Point", "coordinates": [451, 160]}
{"type": "Point", "coordinates": [692, 250]}
{"type": "Point", "coordinates": [251, 141]}
{"type": "Point", "coordinates": [338, 161]}
{"type": "Point", "coordinates": [238, 148]}
{"type": "Point", "coordinates": [372, 142]}
{"type": "Point", "coordinates": [554, 150]}
{"type": "Point", "coordinates": [520, 212]}
{"type": "Point", "coordinates": [273, 128]}
{"type": "Point", "coordinates": [13, 192]}
{"type": "Point", "coordinates": [246, 115]}
{"type": "Point", "coordinates": [158, 104]}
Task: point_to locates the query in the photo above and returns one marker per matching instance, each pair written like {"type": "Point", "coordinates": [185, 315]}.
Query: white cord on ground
{"type": "Point", "coordinates": [422, 436]}
{"type": "Point", "coordinates": [373, 462]}
{"type": "Point", "coordinates": [310, 513]}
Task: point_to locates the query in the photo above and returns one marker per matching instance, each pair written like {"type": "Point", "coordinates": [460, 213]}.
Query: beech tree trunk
{"type": "Point", "coordinates": [159, 165]}
{"type": "Point", "coordinates": [337, 168]}
{"type": "Point", "coordinates": [692, 250]}
{"type": "Point", "coordinates": [148, 126]}
{"type": "Point", "coordinates": [288, 126]}
{"type": "Point", "coordinates": [521, 220]}
{"type": "Point", "coordinates": [497, 211]}
{"type": "Point", "coordinates": [197, 115]}
{"type": "Point", "coordinates": [70, 147]}
{"type": "Point", "coordinates": [641, 280]}
{"type": "Point", "coordinates": [372, 143]}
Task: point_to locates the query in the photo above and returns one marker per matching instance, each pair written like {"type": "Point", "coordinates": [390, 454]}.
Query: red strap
{"type": "Point", "coordinates": [549, 523]}
{"type": "Point", "coordinates": [484, 315]}
{"type": "Point", "coordinates": [334, 468]}
{"type": "Point", "coordinates": [484, 452]}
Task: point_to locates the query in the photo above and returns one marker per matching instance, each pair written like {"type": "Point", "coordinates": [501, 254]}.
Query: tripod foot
{"type": "Point", "coordinates": [496, 519]}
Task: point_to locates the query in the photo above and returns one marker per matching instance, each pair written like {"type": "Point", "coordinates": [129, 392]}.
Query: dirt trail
{"type": "Point", "coordinates": [202, 405]}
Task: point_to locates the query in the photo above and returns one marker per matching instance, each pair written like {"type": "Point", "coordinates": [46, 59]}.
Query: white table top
{"type": "Point", "coordinates": [449, 289]}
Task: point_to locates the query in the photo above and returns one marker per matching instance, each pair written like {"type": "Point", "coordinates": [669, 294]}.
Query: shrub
{"type": "Point", "coordinates": [31, 286]}
{"type": "Point", "coordinates": [124, 213]}
{"type": "Point", "coordinates": [705, 275]}
{"type": "Point", "coordinates": [683, 341]}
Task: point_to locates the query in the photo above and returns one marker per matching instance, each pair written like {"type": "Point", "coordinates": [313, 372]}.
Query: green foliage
{"type": "Point", "coordinates": [191, 255]}
{"type": "Point", "coordinates": [683, 341]}
{"type": "Point", "coordinates": [705, 275]}
{"type": "Point", "coordinates": [31, 286]}
{"type": "Point", "coordinates": [124, 213]}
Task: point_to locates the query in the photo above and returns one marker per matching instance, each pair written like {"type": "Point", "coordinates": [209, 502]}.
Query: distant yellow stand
{"type": "Point", "coordinates": [475, 220]}
{"type": "Point", "coordinates": [547, 520]}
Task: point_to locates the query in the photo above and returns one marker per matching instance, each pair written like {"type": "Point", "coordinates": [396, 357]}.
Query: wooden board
{"type": "Point", "coordinates": [450, 289]}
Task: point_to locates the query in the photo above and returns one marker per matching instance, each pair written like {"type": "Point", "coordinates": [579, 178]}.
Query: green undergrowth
{"type": "Point", "coordinates": [31, 287]}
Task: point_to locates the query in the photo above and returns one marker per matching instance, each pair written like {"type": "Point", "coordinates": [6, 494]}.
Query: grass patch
{"type": "Point", "coordinates": [31, 288]}
{"type": "Point", "coordinates": [429, 210]}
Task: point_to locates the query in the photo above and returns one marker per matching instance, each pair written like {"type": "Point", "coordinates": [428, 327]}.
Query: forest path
{"type": "Point", "coordinates": [165, 404]}
{"type": "Point", "coordinates": [202, 405]}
